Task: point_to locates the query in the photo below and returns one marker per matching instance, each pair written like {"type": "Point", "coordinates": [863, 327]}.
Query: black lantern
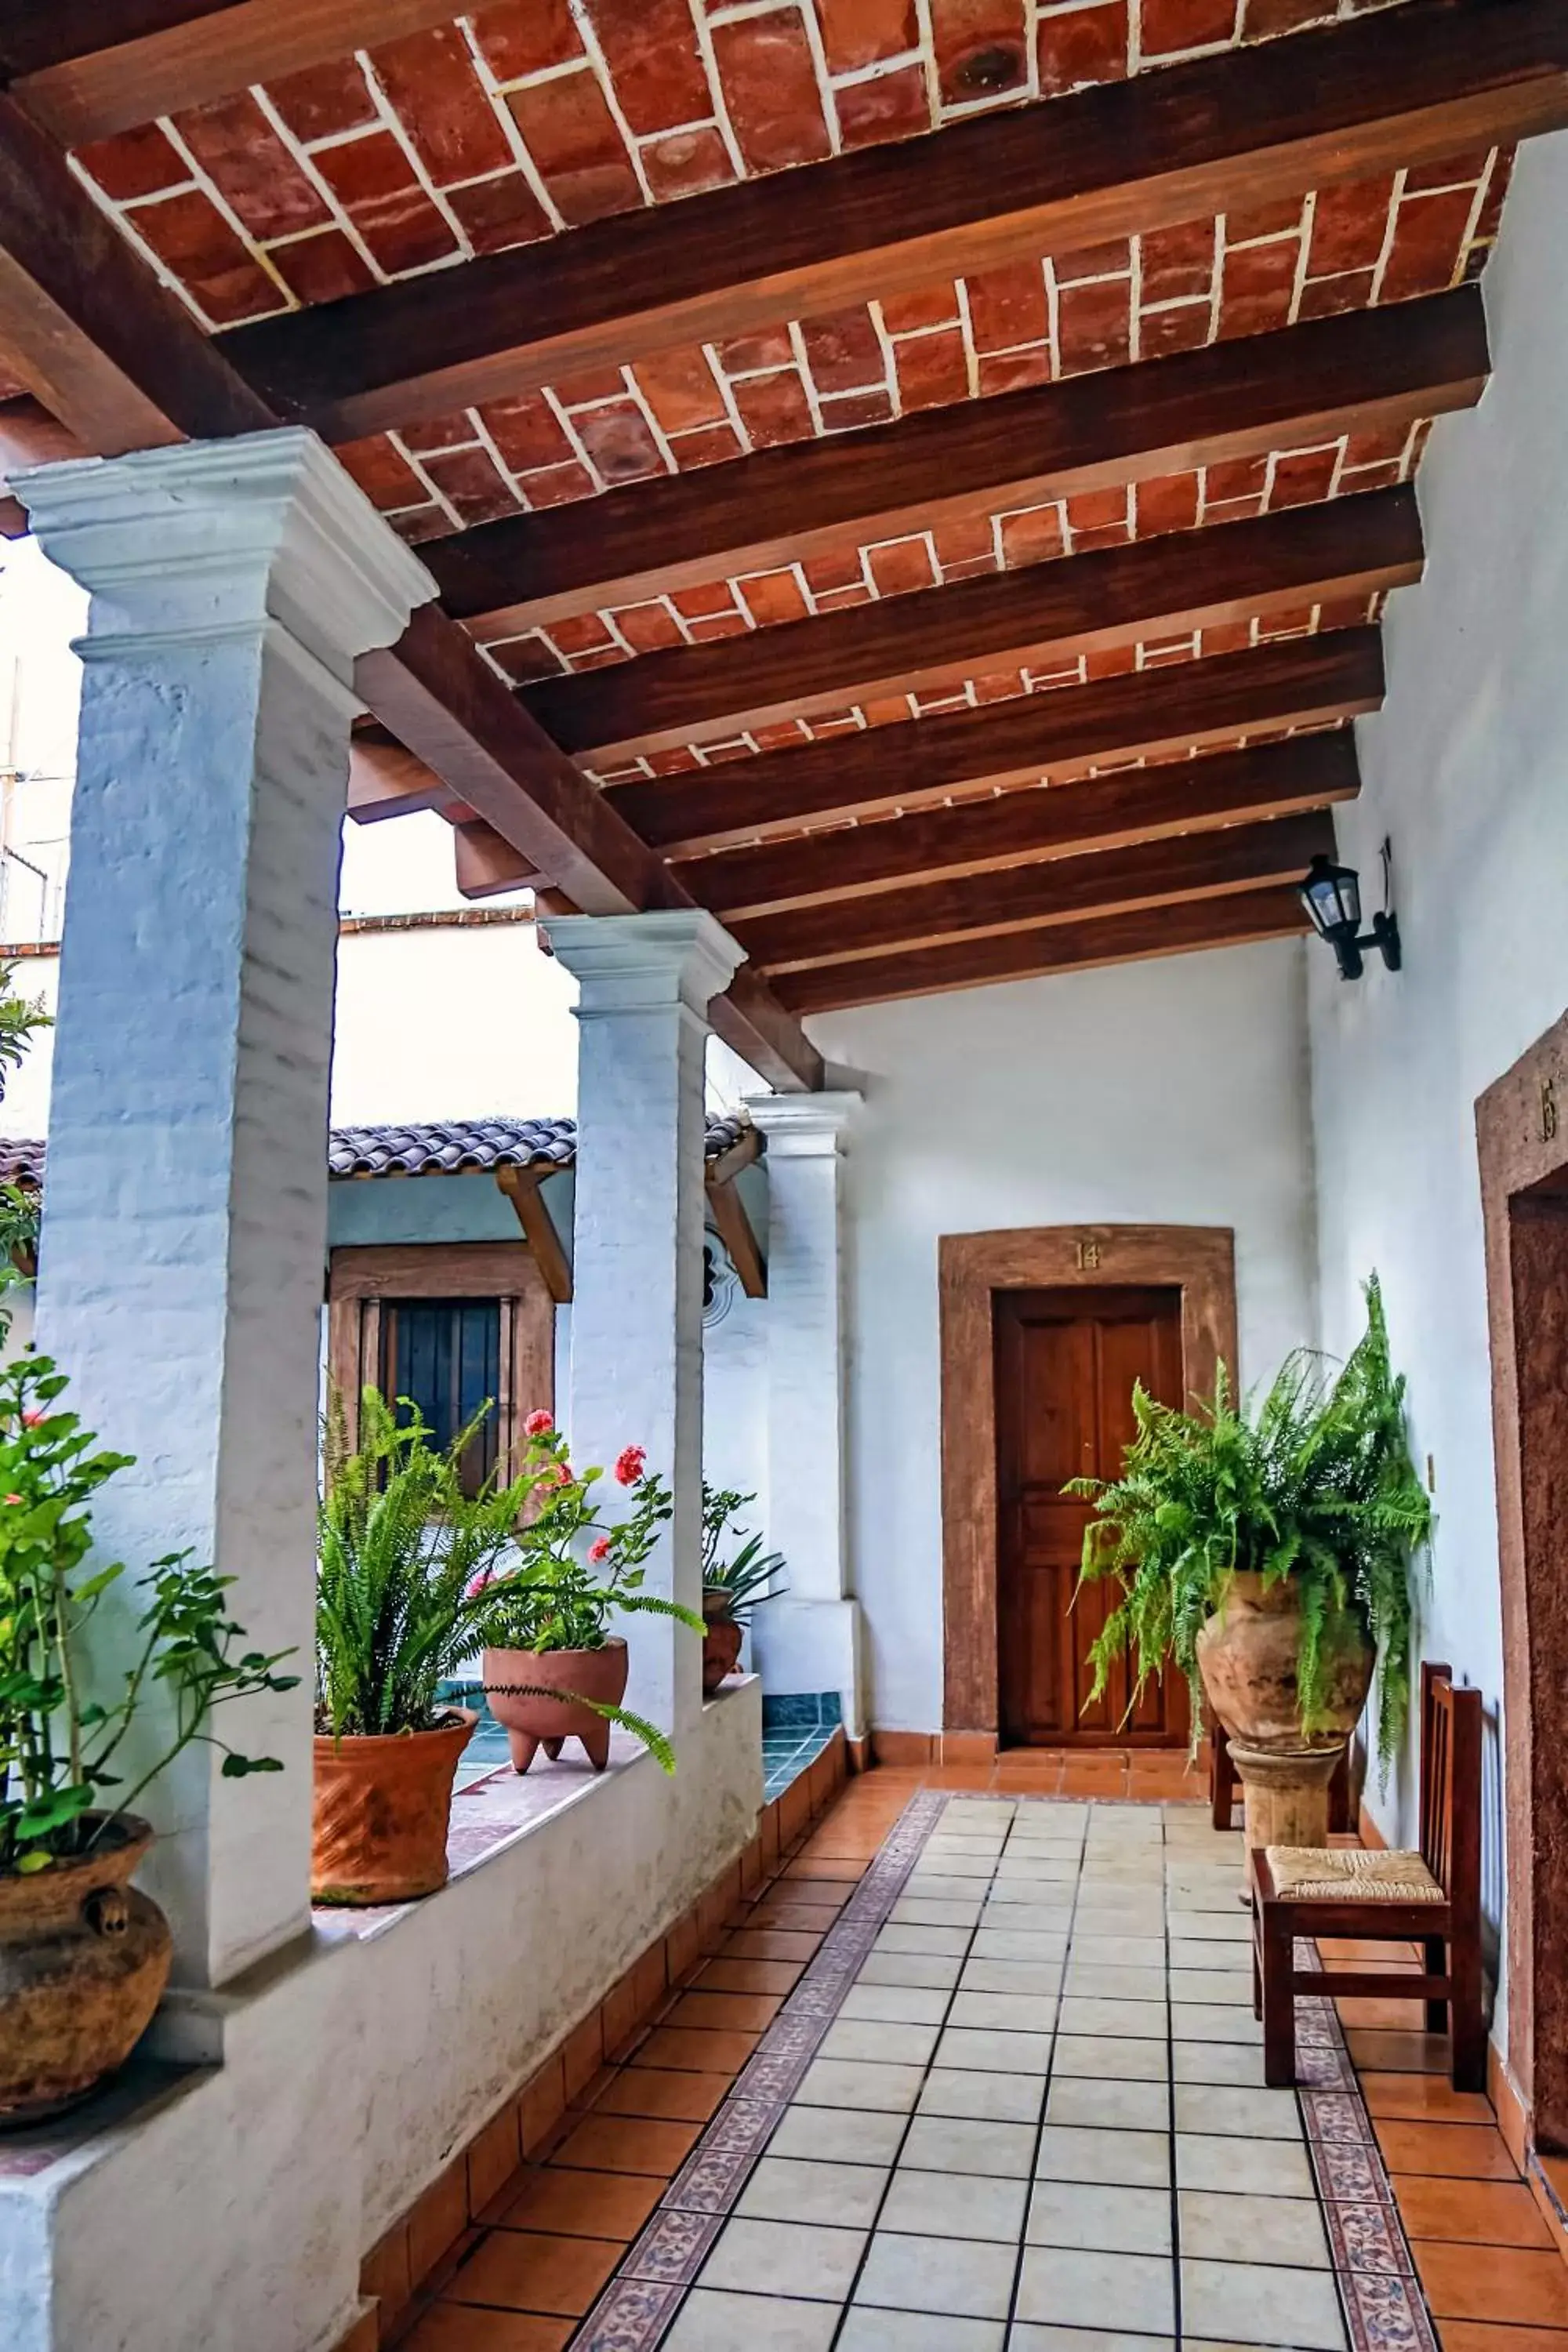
{"type": "Point", "coordinates": [1331, 896]}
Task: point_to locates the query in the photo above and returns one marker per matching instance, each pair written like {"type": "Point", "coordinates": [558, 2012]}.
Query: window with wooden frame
{"type": "Point", "coordinates": [446, 1324]}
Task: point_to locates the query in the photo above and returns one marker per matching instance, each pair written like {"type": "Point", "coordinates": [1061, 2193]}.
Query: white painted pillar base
{"type": "Point", "coordinates": [233, 587]}
{"type": "Point", "coordinates": [809, 1640]}
{"type": "Point", "coordinates": [646, 984]}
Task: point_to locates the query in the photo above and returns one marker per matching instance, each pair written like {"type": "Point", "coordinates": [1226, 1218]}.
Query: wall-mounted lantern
{"type": "Point", "coordinates": [1331, 896]}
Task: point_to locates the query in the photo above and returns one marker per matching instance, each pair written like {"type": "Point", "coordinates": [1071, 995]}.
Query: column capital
{"type": "Point", "coordinates": [804, 1127]}
{"type": "Point", "coordinates": [210, 540]}
{"type": "Point", "coordinates": [644, 964]}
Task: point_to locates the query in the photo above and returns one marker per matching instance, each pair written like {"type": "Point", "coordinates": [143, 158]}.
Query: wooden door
{"type": "Point", "coordinates": [1065, 1362]}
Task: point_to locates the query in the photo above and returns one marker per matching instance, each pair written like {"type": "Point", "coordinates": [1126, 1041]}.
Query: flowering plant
{"type": "Point", "coordinates": [574, 1569]}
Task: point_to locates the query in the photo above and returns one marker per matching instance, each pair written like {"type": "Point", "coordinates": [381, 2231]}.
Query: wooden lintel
{"type": "Point", "coordinates": [487, 864]}
{"type": "Point", "coordinates": [736, 1232]}
{"type": "Point", "coordinates": [525, 1188]}
{"type": "Point", "coordinates": [741, 1154]}
{"type": "Point", "coordinates": [385, 781]}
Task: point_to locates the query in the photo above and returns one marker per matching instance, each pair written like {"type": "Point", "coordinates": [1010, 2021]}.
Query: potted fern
{"type": "Point", "coordinates": [732, 1586]}
{"type": "Point", "coordinates": [553, 1669]}
{"type": "Point", "coordinates": [1267, 1548]}
{"type": "Point", "coordinates": [404, 1556]}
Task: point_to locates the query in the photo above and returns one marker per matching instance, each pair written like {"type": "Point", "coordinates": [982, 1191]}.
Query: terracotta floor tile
{"type": "Point", "coordinates": [518, 2270]}
{"type": "Point", "coordinates": [1397, 2053]}
{"type": "Point", "coordinates": [1425, 2099]}
{"type": "Point", "coordinates": [833, 1868]}
{"type": "Point", "coordinates": [703, 2007]}
{"type": "Point", "coordinates": [1459, 2152]}
{"type": "Point", "coordinates": [583, 2204]}
{"type": "Point", "coordinates": [629, 2143]}
{"type": "Point", "coordinates": [457, 2327]}
{"type": "Point", "coordinates": [705, 2051]}
{"type": "Point", "coordinates": [1471, 2335]}
{"type": "Point", "coordinates": [768, 1944]}
{"type": "Point", "coordinates": [652, 2091]}
{"type": "Point", "coordinates": [1527, 2289]}
{"type": "Point", "coordinates": [1353, 1954]}
{"type": "Point", "coordinates": [748, 1976]}
{"type": "Point", "coordinates": [814, 1917]}
{"type": "Point", "coordinates": [1472, 2212]}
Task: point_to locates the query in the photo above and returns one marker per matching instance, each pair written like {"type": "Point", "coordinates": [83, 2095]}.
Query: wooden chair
{"type": "Point", "coordinates": [1224, 1780]}
{"type": "Point", "coordinates": [1432, 1898]}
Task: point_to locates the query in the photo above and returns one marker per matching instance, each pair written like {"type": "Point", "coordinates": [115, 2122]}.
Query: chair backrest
{"type": "Point", "coordinates": [1451, 1786]}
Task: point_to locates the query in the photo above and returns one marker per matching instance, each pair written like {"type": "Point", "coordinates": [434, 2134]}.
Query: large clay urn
{"type": "Point", "coordinates": [381, 1810]}
{"type": "Point", "coordinates": [1247, 1654]}
{"type": "Point", "coordinates": [536, 1696]}
{"type": "Point", "coordinates": [720, 1638]}
{"type": "Point", "coordinates": [84, 1957]}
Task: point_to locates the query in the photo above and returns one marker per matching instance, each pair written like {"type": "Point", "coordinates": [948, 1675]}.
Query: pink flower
{"type": "Point", "coordinates": [599, 1549]}
{"type": "Point", "coordinates": [562, 1475]}
{"type": "Point", "coordinates": [481, 1584]}
{"type": "Point", "coordinates": [538, 1424]}
{"type": "Point", "coordinates": [13, 1498]}
{"type": "Point", "coordinates": [33, 1414]}
{"type": "Point", "coordinates": [629, 1464]}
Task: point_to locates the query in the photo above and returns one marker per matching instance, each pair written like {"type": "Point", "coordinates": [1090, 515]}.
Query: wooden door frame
{"type": "Point", "coordinates": [1197, 1260]}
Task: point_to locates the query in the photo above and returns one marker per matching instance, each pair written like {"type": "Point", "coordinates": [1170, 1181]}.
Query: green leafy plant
{"type": "Point", "coordinates": [21, 1213]}
{"type": "Point", "coordinates": [20, 1018]}
{"type": "Point", "coordinates": [60, 1792]}
{"type": "Point", "coordinates": [575, 1571]}
{"type": "Point", "coordinates": [403, 1557]}
{"type": "Point", "coordinates": [750, 1575]}
{"type": "Point", "coordinates": [1314, 1481]}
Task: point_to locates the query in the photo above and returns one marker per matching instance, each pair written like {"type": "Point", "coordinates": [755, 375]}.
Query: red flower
{"type": "Point", "coordinates": [564, 1476]}
{"type": "Point", "coordinates": [33, 1414]}
{"type": "Point", "coordinates": [599, 1549]}
{"type": "Point", "coordinates": [538, 1424]}
{"type": "Point", "coordinates": [629, 1464]}
{"type": "Point", "coordinates": [13, 1498]}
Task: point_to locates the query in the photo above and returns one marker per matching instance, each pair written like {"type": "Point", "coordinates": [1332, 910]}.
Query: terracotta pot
{"type": "Point", "coordinates": [1247, 1654]}
{"type": "Point", "coordinates": [720, 1641]}
{"type": "Point", "coordinates": [84, 1957]}
{"type": "Point", "coordinates": [382, 1804]}
{"type": "Point", "coordinates": [536, 1721]}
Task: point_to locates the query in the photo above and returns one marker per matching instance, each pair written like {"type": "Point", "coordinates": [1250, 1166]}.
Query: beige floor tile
{"type": "Point", "coordinates": [924, 1969]}
{"type": "Point", "coordinates": [717, 2323]}
{"type": "Point", "coordinates": [1237, 2062]}
{"type": "Point", "coordinates": [1076, 2288]}
{"type": "Point", "coordinates": [927, 1886]}
{"type": "Point", "coordinates": [1124, 2159]}
{"type": "Point", "coordinates": [1087, 2213]}
{"type": "Point", "coordinates": [866, 2330]}
{"type": "Point", "coordinates": [1261, 2303]}
{"type": "Point", "coordinates": [793, 2188]}
{"type": "Point", "coordinates": [954, 2205]}
{"type": "Point", "coordinates": [1092, 1979]}
{"type": "Point", "coordinates": [1027, 2337]}
{"type": "Point", "coordinates": [1229, 2229]}
{"type": "Point", "coordinates": [914, 1911]}
{"type": "Point", "coordinates": [1018, 1882]}
{"type": "Point", "coordinates": [858, 2039]}
{"type": "Point", "coordinates": [1118, 1951]}
{"type": "Point", "coordinates": [1110, 2055]}
{"type": "Point", "coordinates": [851, 2083]}
{"type": "Point", "coordinates": [1210, 1891]}
{"type": "Point", "coordinates": [1222, 1988]}
{"type": "Point", "coordinates": [1016, 1944]}
{"type": "Point", "coordinates": [960, 1864]}
{"type": "Point", "coordinates": [1041, 1977]}
{"type": "Point", "coordinates": [784, 2258]}
{"type": "Point", "coordinates": [1025, 1918]}
{"type": "Point", "coordinates": [1209, 1926]}
{"type": "Point", "coordinates": [942, 1943]}
{"type": "Point", "coordinates": [1012, 2012]}
{"type": "Point", "coordinates": [1093, 1916]}
{"type": "Point", "coordinates": [1138, 2020]}
{"type": "Point", "coordinates": [1268, 2168]}
{"type": "Point", "coordinates": [1217, 2107]}
{"type": "Point", "coordinates": [1231, 1960]}
{"type": "Point", "coordinates": [937, 2274]}
{"type": "Point", "coordinates": [984, 2051]}
{"type": "Point", "coordinates": [838, 2135]}
{"type": "Point", "coordinates": [1108, 2105]}
{"type": "Point", "coordinates": [985, 2098]}
{"type": "Point", "coordinates": [1196, 2021]}
{"type": "Point", "coordinates": [957, 2144]}
{"type": "Point", "coordinates": [895, 2004]}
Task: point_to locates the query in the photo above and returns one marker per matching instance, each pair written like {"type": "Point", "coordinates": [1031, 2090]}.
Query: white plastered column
{"type": "Point", "coordinates": [233, 587]}
{"type": "Point", "coordinates": [810, 1640]}
{"type": "Point", "coordinates": [646, 982]}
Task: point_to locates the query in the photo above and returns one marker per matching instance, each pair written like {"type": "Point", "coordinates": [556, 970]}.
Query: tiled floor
{"type": "Point", "coordinates": [1015, 2105]}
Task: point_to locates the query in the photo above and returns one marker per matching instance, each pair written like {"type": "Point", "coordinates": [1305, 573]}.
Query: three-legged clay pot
{"type": "Point", "coordinates": [381, 1811]}
{"type": "Point", "coordinates": [721, 1639]}
{"type": "Point", "coordinates": [536, 1696]}
{"type": "Point", "coordinates": [1247, 1654]}
{"type": "Point", "coordinates": [84, 1957]}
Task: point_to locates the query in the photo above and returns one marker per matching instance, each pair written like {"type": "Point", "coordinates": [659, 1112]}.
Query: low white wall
{"type": "Point", "coordinates": [1162, 1093]}
{"type": "Point", "coordinates": [1465, 770]}
{"type": "Point", "coordinates": [354, 2072]}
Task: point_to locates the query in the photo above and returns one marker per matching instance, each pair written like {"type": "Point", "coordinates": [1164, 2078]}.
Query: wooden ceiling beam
{"type": "Point", "coordinates": [1403, 87]}
{"type": "Point", "coordinates": [1016, 829]}
{"type": "Point", "coordinates": [1369, 371]}
{"type": "Point", "coordinates": [1044, 616]}
{"type": "Point", "coordinates": [1152, 714]}
{"type": "Point", "coordinates": [1104, 882]}
{"type": "Point", "coordinates": [1184, 929]}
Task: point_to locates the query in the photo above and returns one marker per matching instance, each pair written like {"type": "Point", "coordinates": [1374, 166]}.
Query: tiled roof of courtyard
{"type": "Point", "coordinates": [447, 1146]}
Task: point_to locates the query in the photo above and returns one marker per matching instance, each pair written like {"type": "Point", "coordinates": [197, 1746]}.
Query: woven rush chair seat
{"type": "Point", "coordinates": [1305, 1873]}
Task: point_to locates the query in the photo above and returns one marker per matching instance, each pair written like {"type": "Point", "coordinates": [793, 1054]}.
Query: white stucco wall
{"type": "Point", "coordinates": [1465, 770]}
{"type": "Point", "coordinates": [1163, 1093]}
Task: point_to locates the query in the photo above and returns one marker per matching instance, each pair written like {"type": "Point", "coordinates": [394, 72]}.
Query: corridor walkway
{"type": "Point", "coordinates": [979, 2074]}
